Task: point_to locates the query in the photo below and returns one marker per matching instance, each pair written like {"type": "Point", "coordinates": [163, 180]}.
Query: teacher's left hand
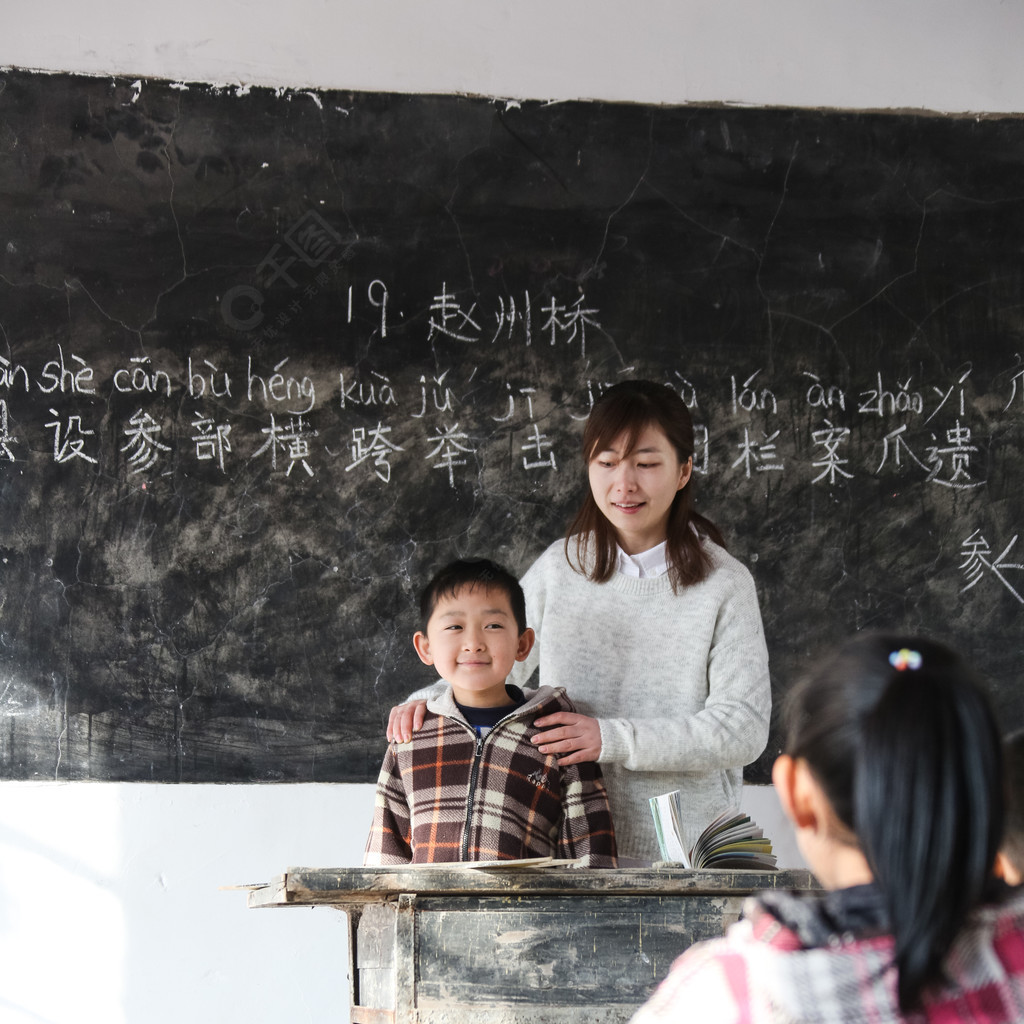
{"type": "Point", "coordinates": [575, 738]}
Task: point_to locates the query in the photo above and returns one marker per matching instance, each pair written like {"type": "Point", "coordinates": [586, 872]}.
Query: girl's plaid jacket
{"type": "Point", "coordinates": [779, 966]}
{"type": "Point", "coordinates": [448, 795]}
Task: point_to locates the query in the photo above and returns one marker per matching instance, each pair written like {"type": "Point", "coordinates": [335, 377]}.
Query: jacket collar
{"type": "Point", "coordinates": [816, 918]}
{"type": "Point", "coordinates": [444, 702]}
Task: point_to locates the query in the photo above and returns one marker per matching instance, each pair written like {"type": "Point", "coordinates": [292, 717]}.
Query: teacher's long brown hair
{"type": "Point", "coordinates": [626, 410]}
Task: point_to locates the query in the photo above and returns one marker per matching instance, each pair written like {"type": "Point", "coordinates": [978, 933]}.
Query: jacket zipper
{"type": "Point", "coordinates": [474, 771]}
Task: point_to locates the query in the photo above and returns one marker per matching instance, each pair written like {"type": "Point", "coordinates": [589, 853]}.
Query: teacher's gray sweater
{"type": "Point", "coordinates": [678, 682]}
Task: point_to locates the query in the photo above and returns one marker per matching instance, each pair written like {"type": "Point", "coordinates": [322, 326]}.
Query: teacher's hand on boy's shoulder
{"type": "Point", "coordinates": [405, 719]}
{"type": "Point", "coordinates": [576, 738]}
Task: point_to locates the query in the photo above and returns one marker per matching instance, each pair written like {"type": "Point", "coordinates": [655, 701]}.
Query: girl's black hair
{"type": "Point", "coordinates": [1013, 836]}
{"type": "Point", "coordinates": [900, 736]}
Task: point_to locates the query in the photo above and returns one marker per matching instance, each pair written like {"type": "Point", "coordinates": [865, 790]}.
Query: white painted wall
{"type": "Point", "coordinates": [947, 55]}
{"type": "Point", "coordinates": [110, 911]}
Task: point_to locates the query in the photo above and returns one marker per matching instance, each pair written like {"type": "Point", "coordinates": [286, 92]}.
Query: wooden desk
{"type": "Point", "coordinates": [434, 945]}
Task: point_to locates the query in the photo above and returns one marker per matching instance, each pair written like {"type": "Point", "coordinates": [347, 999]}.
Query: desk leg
{"type": "Point", "coordinates": [382, 959]}
{"type": "Point", "coordinates": [353, 914]}
{"type": "Point", "coordinates": [405, 960]}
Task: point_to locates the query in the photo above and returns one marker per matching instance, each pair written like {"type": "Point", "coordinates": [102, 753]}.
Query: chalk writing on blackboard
{"type": "Point", "coordinates": [69, 438]}
{"type": "Point", "coordinates": [376, 446]}
{"type": "Point", "coordinates": [252, 393]}
{"type": "Point", "coordinates": [820, 395]}
{"type": "Point", "coordinates": [57, 375]}
{"type": "Point", "coordinates": [749, 396]}
{"type": "Point", "coordinates": [212, 439]}
{"type": "Point", "coordinates": [1015, 381]}
{"type": "Point", "coordinates": [141, 378]}
{"type": "Point", "coordinates": [6, 437]}
{"type": "Point", "coordinates": [830, 438]}
{"type": "Point", "coordinates": [144, 444]}
{"type": "Point", "coordinates": [376, 391]}
{"type": "Point", "coordinates": [292, 438]}
{"type": "Point", "coordinates": [435, 394]}
{"type": "Point", "coordinates": [946, 455]}
{"type": "Point", "coordinates": [881, 401]}
{"type": "Point", "coordinates": [978, 559]}
{"type": "Point", "coordinates": [759, 456]}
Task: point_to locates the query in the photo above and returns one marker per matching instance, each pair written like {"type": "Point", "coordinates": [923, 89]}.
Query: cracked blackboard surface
{"type": "Point", "coordinates": [267, 358]}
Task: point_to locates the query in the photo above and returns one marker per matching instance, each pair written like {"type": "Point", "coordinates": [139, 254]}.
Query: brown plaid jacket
{"type": "Point", "coordinates": [448, 796]}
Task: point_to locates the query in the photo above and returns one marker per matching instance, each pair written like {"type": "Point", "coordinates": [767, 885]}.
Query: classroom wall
{"type": "Point", "coordinates": [110, 906]}
{"type": "Point", "coordinates": [947, 55]}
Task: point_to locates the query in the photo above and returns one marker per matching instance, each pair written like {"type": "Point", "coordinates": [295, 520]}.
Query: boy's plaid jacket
{"type": "Point", "coordinates": [447, 795]}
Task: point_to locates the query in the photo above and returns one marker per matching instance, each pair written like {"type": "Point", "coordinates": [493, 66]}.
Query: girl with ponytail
{"type": "Point", "coordinates": [892, 776]}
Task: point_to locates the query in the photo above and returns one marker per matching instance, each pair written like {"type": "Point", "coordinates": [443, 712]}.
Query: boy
{"type": "Point", "coordinates": [470, 785]}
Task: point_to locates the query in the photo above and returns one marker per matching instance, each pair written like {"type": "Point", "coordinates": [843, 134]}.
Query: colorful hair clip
{"type": "Point", "coordinates": [904, 659]}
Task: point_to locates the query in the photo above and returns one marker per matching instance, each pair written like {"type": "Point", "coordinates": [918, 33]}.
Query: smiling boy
{"type": "Point", "coordinates": [470, 785]}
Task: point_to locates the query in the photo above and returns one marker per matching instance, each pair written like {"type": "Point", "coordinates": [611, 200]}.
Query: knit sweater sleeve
{"type": "Point", "coordinates": [586, 831]}
{"type": "Point", "coordinates": [390, 839]}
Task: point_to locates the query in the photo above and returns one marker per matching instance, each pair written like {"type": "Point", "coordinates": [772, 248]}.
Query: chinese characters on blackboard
{"type": "Point", "coordinates": [928, 435]}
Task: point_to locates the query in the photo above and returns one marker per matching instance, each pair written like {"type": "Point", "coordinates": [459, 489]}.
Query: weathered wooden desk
{"type": "Point", "coordinates": [436, 945]}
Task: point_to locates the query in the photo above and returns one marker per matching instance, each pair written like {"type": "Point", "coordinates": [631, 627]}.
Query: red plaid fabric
{"type": "Point", "coordinates": [761, 973]}
{"type": "Point", "coordinates": [447, 796]}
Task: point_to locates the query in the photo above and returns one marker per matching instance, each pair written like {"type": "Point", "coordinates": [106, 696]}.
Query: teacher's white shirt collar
{"type": "Point", "coordinates": [652, 562]}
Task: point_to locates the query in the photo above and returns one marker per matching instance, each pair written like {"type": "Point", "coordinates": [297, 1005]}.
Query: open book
{"type": "Point", "coordinates": [732, 840]}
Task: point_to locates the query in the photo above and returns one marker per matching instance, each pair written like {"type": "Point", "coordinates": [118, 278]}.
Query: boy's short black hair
{"type": "Point", "coordinates": [1013, 831]}
{"type": "Point", "coordinates": [472, 572]}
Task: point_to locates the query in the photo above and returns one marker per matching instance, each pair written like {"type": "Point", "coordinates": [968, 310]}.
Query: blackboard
{"type": "Point", "coordinates": [267, 358]}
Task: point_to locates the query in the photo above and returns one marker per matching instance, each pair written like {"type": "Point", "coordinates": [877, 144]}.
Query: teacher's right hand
{"type": "Point", "coordinates": [404, 720]}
